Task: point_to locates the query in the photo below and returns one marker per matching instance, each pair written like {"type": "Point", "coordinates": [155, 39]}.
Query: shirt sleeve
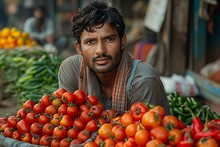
{"type": "Point", "coordinates": [68, 74]}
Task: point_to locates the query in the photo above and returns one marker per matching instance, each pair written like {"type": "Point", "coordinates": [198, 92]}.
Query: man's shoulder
{"type": "Point", "coordinates": [74, 59]}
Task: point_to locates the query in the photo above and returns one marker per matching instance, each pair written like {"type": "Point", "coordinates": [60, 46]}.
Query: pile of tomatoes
{"type": "Point", "coordinates": [141, 126]}
{"type": "Point", "coordinates": [60, 119]}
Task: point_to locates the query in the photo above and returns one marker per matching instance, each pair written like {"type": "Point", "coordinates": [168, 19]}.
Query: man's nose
{"type": "Point", "coordinates": [101, 48]}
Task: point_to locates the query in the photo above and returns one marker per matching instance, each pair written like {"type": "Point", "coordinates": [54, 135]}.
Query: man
{"type": "Point", "coordinates": [41, 29]}
{"type": "Point", "coordinates": [104, 68]}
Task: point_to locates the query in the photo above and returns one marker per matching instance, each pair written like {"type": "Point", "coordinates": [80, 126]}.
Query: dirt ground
{"type": "Point", "coordinates": [8, 107]}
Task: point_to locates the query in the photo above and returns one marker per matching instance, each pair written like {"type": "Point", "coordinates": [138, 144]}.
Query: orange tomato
{"type": "Point", "coordinates": [90, 144]}
{"type": "Point", "coordinates": [105, 130]}
{"type": "Point", "coordinates": [131, 130]}
{"type": "Point", "coordinates": [207, 142]}
{"type": "Point", "coordinates": [159, 109]}
{"type": "Point", "coordinates": [160, 133]}
{"type": "Point", "coordinates": [126, 119]}
{"type": "Point", "coordinates": [109, 142]}
{"type": "Point", "coordinates": [154, 143]}
{"type": "Point", "coordinates": [170, 122]}
{"type": "Point", "coordinates": [151, 119]}
{"type": "Point", "coordinates": [142, 137]}
{"type": "Point", "coordinates": [174, 135]}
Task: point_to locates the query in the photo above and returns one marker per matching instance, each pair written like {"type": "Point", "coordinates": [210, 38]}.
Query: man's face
{"type": "Point", "coordinates": [101, 49]}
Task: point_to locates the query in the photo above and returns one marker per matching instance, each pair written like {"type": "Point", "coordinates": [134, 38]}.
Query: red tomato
{"type": "Point", "coordinates": [46, 100]}
{"type": "Point", "coordinates": [76, 142]}
{"type": "Point", "coordinates": [45, 140]}
{"type": "Point", "coordinates": [38, 108]}
{"type": "Point", "coordinates": [100, 121]}
{"type": "Point", "coordinates": [84, 135]}
{"type": "Point", "coordinates": [86, 116]}
{"type": "Point", "coordinates": [90, 144]}
{"type": "Point", "coordinates": [137, 110]}
{"type": "Point", "coordinates": [59, 92]}
{"type": "Point", "coordinates": [65, 142]}
{"type": "Point", "coordinates": [108, 115]}
{"type": "Point", "coordinates": [60, 132]}
{"type": "Point", "coordinates": [92, 99]}
{"type": "Point", "coordinates": [80, 96]}
{"type": "Point", "coordinates": [160, 133]}
{"type": "Point", "coordinates": [63, 109]}
{"type": "Point", "coordinates": [118, 132]}
{"type": "Point", "coordinates": [101, 105]}
{"type": "Point", "coordinates": [119, 144]}
{"type": "Point", "coordinates": [55, 142]}
{"type": "Point", "coordinates": [21, 113]}
{"type": "Point", "coordinates": [68, 97]}
{"type": "Point", "coordinates": [83, 107]}
{"type": "Point", "coordinates": [142, 137]}
{"type": "Point", "coordinates": [130, 142]}
{"type": "Point", "coordinates": [31, 117]}
{"type": "Point", "coordinates": [98, 139]}
{"type": "Point", "coordinates": [92, 126]}
{"type": "Point", "coordinates": [23, 126]}
{"type": "Point", "coordinates": [12, 121]}
{"type": "Point", "coordinates": [96, 110]}
{"type": "Point", "coordinates": [26, 137]}
{"type": "Point", "coordinates": [72, 133]}
{"type": "Point", "coordinates": [29, 104]}
{"type": "Point", "coordinates": [3, 127]}
{"type": "Point", "coordinates": [51, 109]}
{"type": "Point", "coordinates": [80, 125]}
{"type": "Point", "coordinates": [35, 139]}
{"type": "Point", "coordinates": [43, 119]}
{"type": "Point", "coordinates": [66, 121]}
{"type": "Point", "coordinates": [150, 120]}
{"type": "Point", "coordinates": [8, 132]}
{"type": "Point", "coordinates": [56, 119]}
{"type": "Point", "coordinates": [126, 119]}
{"type": "Point", "coordinates": [16, 135]}
{"type": "Point", "coordinates": [3, 119]}
{"type": "Point", "coordinates": [72, 111]}
{"type": "Point", "coordinates": [48, 129]}
{"type": "Point", "coordinates": [36, 128]}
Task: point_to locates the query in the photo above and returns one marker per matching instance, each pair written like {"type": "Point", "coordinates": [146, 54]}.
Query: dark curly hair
{"type": "Point", "coordinates": [96, 14]}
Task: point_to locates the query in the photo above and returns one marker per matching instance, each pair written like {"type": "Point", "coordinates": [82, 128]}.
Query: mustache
{"type": "Point", "coordinates": [101, 56]}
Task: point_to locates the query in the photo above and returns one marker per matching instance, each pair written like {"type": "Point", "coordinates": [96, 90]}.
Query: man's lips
{"type": "Point", "coordinates": [102, 60]}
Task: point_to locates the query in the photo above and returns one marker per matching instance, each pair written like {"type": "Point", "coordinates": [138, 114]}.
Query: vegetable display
{"type": "Point", "coordinates": [65, 119]}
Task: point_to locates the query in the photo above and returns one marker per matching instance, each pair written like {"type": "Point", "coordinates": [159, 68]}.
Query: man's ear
{"type": "Point", "coordinates": [78, 47]}
{"type": "Point", "coordinates": [123, 42]}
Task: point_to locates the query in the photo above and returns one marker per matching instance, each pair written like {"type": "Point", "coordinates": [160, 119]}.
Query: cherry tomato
{"type": "Point", "coordinates": [72, 111]}
{"type": "Point", "coordinates": [36, 128]}
{"type": "Point", "coordinates": [118, 132]}
{"type": "Point", "coordinates": [174, 136]}
{"type": "Point", "coordinates": [142, 137]}
{"type": "Point", "coordinates": [86, 116]}
{"type": "Point", "coordinates": [38, 108]}
{"type": "Point", "coordinates": [63, 109]}
{"type": "Point", "coordinates": [29, 104]}
{"type": "Point", "coordinates": [80, 125]}
{"type": "Point", "coordinates": [154, 143]}
{"type": "Point", "coordinates": [56, 119]}
{"type": "Point", "coordinates": [92, 99]}
{"type": "Point", "coordinates": [90, 144]}
{"type": "Point", "coordinates": [59, 92]}
{"type": "Point", "coordinates": [51, 109]}
{"type": "Point", "coordinates": [72, 133]}
{"type": "Point", "coordinates": [60, 132]}
{"type": "Point", "coordinates": [45, 140]}
{"type": "Point", "coordinates": [84, 135]}
{"type": "Point", "coordinates": [160, 133]}
{"type": "Point", "coordinates": [137, 110]}
{"type": "Point", "coordinates": [43, 119]}
{"type": "Point", "coordinates": [23, 126]}
{"type": "Point", "coordinates": [96, 110]}
{"type": "Point", "coordinates": [26, 137]}
{"type": "Point", "coordinates": [92, 126]}
{"type": "Point", "coordinates": [46, 100]}
{"type": "Point", "coordinates": [16, 135]}
{"type": "Point", "coordinates": [150, 120]}
{"type": "Point", "coordinates": [131, 130]}
{"type": "Point", "coordinates": [31, 117]}
{"type": "Point", "coordinates": [65, 142]}
{"type": "Point", "coordinates": [68, 97]}
{"type": "Point", "coordinates": [126, 119]}
{"type": "Point", "coordinates": [21, 113]}
{"type": "Point", "coordinates": [207, 142]}
{"type": "Point", "coordinates": [12, 121]}
{"type": "Point", "coordinates": [48, 129]}
{"type": "Point", "coordinates": [105, 130]}
{"type": "Point", "coordinates": [80, 96]}
{"type": "Point", "coordinates": [8, 132]}
{"type": "Point", "coordinates": [66, 121]}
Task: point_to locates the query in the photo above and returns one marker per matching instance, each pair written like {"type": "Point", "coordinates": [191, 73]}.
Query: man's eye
{"type": "Point", "coordinates": [90, 42]}
{"type": "Point", "coordinates": [110, 39]}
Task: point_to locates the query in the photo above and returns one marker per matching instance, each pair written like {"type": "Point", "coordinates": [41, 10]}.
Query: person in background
{"type": "Point", "coordinates": [103, 67]}
{"type": "Point", "coordinates": [41, 28]}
